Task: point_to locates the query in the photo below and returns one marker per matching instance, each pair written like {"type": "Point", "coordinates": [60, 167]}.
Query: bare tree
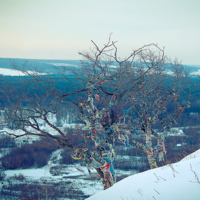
{"type": "Point", "coordinates": [99, 89]}
{"type": "Point", "coordinates": [166, 92]}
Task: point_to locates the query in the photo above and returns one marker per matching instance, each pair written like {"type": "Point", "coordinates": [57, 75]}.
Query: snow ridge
{"type": "Point", "coordinates": [171, 182]}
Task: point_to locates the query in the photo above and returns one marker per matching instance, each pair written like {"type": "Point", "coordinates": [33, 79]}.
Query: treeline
{"type": "Point", "coordinates": [38, 154]}
{"type": "Point", "coordinates": [7, 142]}
{"type": "Point", "coordinates": [26, 156]}
{"type": "Point", "coordinates": [189, 117]}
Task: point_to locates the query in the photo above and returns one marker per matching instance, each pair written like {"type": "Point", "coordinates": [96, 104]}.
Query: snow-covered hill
{"type": "Point", "coordinates": [179, 181]}
{"type": "Point", "coordinates": [50, 65]}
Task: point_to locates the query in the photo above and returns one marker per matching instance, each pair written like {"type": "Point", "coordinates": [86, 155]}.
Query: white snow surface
{"type": "Point", "coordinates": [63, 65]}
{"type": "Point", "coordinates": [33, 173]}
{"type": "Point", "coordinates": [10, 72]}
{"type": "Point", "coordinates": [162, 183]}
{"type": "Point", "coordinates": [196, 73]}
{"type": "Point", "coordinates": [13, 72]}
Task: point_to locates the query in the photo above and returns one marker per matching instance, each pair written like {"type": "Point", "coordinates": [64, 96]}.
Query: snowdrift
{"type": "Point", "coordinates": [178, 181]}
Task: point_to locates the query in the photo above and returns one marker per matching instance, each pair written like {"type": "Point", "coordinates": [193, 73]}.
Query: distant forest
{"type": "Point", "coordinates": [37, 154]}
{"type": "Point", "coordinates": [190, 116]}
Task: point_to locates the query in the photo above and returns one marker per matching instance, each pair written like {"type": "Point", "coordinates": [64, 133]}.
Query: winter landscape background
{"type": "Point", "coordinates": [34, 168]}
{"type": "Point", "coordinates": [145, 40]}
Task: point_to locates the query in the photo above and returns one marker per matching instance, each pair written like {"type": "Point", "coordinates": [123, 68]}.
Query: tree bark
{"type": "Point", "coordinates": [149, 149]}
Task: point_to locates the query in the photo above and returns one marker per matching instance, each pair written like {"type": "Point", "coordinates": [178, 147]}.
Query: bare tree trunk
{"type": "Point", "coordinates": [149, 149]}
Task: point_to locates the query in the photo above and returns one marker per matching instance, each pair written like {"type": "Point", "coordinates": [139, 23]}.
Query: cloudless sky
{"type": "Point", "coordinates": [59, 29]}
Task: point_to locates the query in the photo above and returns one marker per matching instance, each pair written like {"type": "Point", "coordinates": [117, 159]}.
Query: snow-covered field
{"type": "Point", "coordinates": [79, 180]}
{"type": "Point", "coordinates": [76, 176]}
{"type": "Point", "coordinates": [178, 181]}
{"type": "Point", "coordinates": [13, 72]}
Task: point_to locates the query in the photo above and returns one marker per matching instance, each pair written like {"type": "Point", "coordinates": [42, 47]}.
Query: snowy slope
{"type": "Point", "coordinates": [171, 182]}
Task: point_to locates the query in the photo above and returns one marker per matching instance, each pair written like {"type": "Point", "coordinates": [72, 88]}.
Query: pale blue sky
{"type": "Point", "coordinates": [59, 29]}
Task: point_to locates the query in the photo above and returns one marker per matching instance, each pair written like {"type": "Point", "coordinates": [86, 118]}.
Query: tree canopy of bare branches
{"type": "Point", "coordinates": [113, 99]}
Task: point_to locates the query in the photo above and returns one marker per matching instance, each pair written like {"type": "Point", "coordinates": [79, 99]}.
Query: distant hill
{"type": "Point", "coordinates": [42, 65]}
{"type": "Point", "coordinates": [50, 65]}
